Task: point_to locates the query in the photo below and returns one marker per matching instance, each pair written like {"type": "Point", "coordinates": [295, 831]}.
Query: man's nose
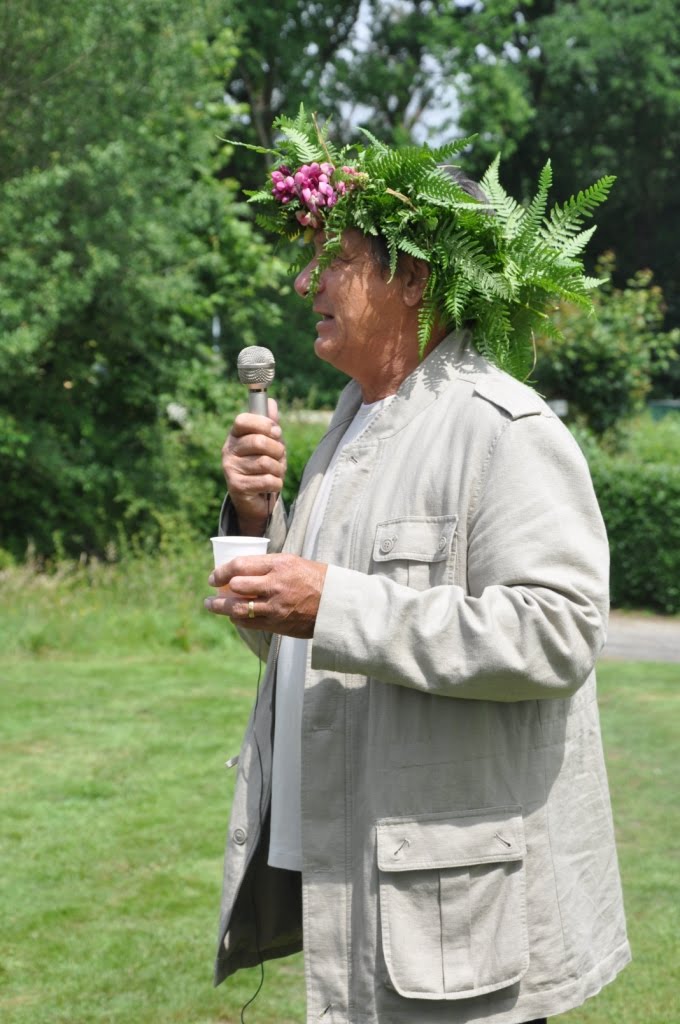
{"type": "Point", "coordinates": [302, 280]}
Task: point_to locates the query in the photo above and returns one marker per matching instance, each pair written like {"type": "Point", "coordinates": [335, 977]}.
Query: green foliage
{"type": "Point", "coordinates": [641, 508]}
{"type": "Point", "coordinates": [605, 365]}
{"type": "Point", "coordinates": [391, 74]}
{"type": "Point", "coordinates": [636, 472]}
{"type": "Point", "coordinates": [594, 83]}
{"type": "Point", "coordinates": [121, 251]}
{"type": "Point", "coordinates": [120, 246]}
{"type": "Point", "coordinates": [497, 273]}
{"type": "Point", "coordinates": [301, 439]}
{"type": "Point", "coordinates": [287, 53]}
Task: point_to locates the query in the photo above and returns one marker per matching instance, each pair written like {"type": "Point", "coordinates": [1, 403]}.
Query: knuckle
{"type": "Point", "coordinates": [262, 444]}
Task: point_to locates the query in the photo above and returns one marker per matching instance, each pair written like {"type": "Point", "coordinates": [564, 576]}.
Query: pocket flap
{"type": "Point", "coordinates": [487, 835]}
{"type": "Point", "coordinates": [419, 539]}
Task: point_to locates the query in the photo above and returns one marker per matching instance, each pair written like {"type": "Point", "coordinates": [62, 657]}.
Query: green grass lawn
{"type": "Point", "coordinates": [120, 702]}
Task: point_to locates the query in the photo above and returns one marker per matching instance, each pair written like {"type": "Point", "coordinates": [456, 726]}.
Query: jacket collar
{"type": "Point", "coordinates": [453, 357]}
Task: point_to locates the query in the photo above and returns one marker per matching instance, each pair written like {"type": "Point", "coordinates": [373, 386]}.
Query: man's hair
{"type": "Point", "coordinates": [469, 185]}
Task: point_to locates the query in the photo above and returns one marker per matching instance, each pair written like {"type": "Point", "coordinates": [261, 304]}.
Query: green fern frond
{"type": "Point", "coordinates": [393, 253]}
{"type": "Point", "coordinates": [305, 150]}
{"type": "Point", "coordinates": [252, 148]}
{"type": "Point", "coordinates": [265, 222]}
{"type": "Point", "coordinates": [304, 254]}
{"type": "Point", "coordinates": [437, 187]}
{"type": "Point", "coordinates": [566, 220]}
{"type": "Point", "coordinates": [428, 311]}
{"type": "Point", "coordinates": [257, 197]}
{"type": "Point", "coordinates": [397, 165]}
{"type": "Point", "coordinates": [443, 154]}
{"type": "Point", "coordinates": [330, 251]}
{"type": "Point", "coordinates": [301, 122]}
{"type": "Point", "coordinates": [577, 243]}
{"type": "Point", "coordinates": [536, 210]}
{"type": "Point", "coordinates": [380, 146]}
{"type": "Point", "coordinates": [492, 331]}
{"type": "Point", "coordinates": [455, 299]}
{"type": "Point", "coordinates": [409, 246]}
{"type": "Point", "coordinates": [509, 212]}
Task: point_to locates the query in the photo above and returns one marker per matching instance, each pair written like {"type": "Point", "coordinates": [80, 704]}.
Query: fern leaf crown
{"type": "Point", "coordinates": [498, 266]}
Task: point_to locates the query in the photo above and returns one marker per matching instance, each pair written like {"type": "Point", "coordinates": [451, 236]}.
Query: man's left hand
{"type": "Point", "coordinates": [276, 593]}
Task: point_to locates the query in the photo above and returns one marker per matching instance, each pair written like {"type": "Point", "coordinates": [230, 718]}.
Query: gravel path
{"type": "Point", "coordinates": [638, 637]}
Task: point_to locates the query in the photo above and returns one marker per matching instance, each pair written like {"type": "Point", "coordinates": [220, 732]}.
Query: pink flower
{"type": "Point", "coordinates": [312, 187]}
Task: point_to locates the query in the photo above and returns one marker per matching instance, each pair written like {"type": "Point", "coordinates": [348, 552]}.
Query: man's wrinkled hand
{"type": "Point", "coordinates": [275, 593]}
{"type": "Point", "coordinates": [254, 466]}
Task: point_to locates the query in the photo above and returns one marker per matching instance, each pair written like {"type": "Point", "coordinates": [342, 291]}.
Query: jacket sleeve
{"type": "Point", "coordinates": [258, 642]}
{"type": "Point", "coordinates": [532, 618]}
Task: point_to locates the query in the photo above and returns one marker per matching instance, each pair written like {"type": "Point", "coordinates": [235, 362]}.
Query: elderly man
{"type": "Point", "coordinates": [421, 801]}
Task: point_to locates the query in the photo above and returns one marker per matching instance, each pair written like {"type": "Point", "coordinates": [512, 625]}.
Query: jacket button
{"type": "Point", "coordinates": [386, 545]}
{"type": "Point", "coordinates": [240, 835]}
{"type": "Point", "coordinates": [442, 542]}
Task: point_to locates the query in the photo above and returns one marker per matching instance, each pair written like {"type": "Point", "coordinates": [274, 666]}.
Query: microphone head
{"type": "Point", "coordinates": [255, 365]}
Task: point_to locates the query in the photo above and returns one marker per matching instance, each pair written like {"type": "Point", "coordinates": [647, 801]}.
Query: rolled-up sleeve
{"type": "Point", "coordinates": [531, 618]}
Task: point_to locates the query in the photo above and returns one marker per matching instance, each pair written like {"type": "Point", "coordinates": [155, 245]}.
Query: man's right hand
{"type": "Point", "coordinates": [254, 466]}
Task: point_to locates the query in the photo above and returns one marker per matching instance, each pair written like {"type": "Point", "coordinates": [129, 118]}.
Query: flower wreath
{"type": "Point", "coordinates": [502, 273]}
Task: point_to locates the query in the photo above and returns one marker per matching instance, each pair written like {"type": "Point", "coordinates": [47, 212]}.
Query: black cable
{"type": "Point", "coordinates": [260, 827]}
{"type": "Point", "coordinates": [252, 999]}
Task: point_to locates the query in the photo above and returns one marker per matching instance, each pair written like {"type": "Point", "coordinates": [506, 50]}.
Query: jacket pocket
{"type": "Point", "coordinates": [417, 551]}
{"type": "Point", "coordinates": [452, 902]}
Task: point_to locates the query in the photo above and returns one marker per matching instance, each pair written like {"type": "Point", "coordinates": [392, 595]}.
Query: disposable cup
{"type": "Point", "coordinates": [226, 548]}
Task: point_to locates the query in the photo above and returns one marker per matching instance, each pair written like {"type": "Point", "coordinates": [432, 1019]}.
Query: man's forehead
{"type": "Point", "coordinates": [352, 241]}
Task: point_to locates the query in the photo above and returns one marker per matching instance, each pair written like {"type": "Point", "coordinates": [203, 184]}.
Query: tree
{"type": "Point", "coordinates": [121, 249]}
{"type": "Point", "coordinates": [390, 78]}
{"type": "Point", "coordinates": [593, 84]}
{"type": "Point", "coordinates": [287, 51]}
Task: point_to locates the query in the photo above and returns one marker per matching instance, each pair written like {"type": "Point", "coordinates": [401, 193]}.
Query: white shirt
{"type": "Point", "coordinates": [285, 844]}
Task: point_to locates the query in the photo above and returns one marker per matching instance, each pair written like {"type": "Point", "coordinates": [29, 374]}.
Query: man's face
{"type": "Point", "coordinates": [359, 308]}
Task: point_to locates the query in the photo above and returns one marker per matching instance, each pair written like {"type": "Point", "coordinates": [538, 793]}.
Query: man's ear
{"type": "Point", "coordinates": [413, 274]}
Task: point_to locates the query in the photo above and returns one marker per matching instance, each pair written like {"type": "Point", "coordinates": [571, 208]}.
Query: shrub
{"type": "Point", "coordinates": [605, 365]}
{"type": "Point", "coordinates": [639, 494]}
{"type": "Point", "coordinates": [301, 440]}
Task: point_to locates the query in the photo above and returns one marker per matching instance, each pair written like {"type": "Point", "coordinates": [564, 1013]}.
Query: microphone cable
{"type": "Point", "coordinates": [259, 805]}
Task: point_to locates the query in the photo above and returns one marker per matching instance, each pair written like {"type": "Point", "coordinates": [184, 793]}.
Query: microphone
{"type": "Point", "coordinates": [255, 366]}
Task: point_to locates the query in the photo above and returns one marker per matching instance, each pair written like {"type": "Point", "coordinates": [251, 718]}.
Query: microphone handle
{"type": "Point", "coordinates": [257, 402]}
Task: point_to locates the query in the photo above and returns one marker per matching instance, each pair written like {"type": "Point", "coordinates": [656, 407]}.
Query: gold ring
{"type": "Point", "coordinates": [251, 610]}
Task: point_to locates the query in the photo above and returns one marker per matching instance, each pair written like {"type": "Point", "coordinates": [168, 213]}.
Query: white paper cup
{"type": "Point", "coordinates": [226, 548]}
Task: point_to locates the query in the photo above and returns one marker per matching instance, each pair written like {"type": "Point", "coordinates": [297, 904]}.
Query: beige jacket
{"type": "Point", "coordinates": [459, 858]}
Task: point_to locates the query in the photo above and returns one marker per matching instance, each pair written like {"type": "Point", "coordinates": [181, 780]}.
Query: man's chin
{"type": "Point", "coordinates": [321, 347]}
{"type": "Point", "coordinates": [325, 349]}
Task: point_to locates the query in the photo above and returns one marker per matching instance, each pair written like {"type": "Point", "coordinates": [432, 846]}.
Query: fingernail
{"type": "Point", "coordinates": [208, 603]}
{"type": "Point", "coordinates": [211, 579]}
